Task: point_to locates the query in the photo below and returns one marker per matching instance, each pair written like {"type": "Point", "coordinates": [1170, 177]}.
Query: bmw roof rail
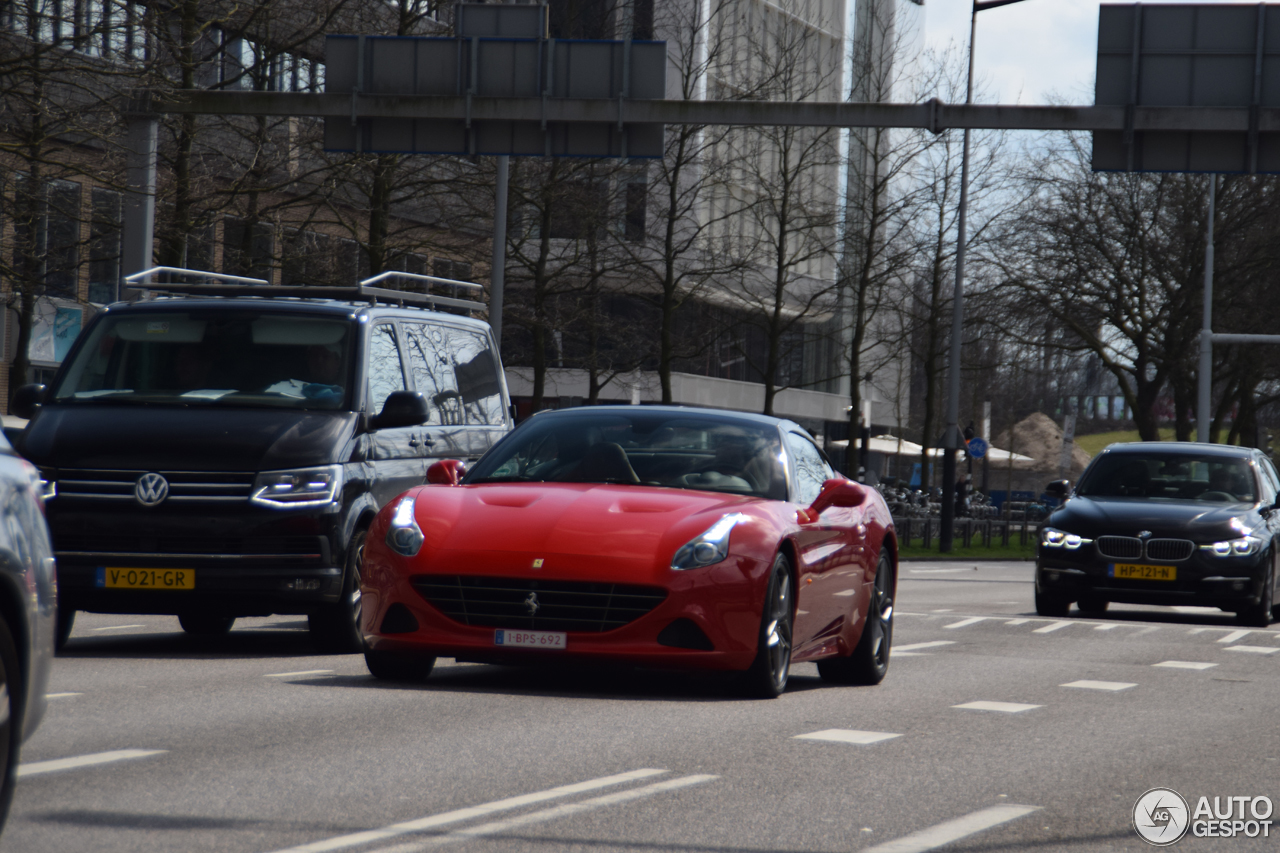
{"type": "Point", "coordinates": [233, 285]}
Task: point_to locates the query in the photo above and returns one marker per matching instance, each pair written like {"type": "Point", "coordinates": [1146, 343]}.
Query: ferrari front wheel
{"type": "Point", "coordinates": [767, 677]}
{"type": "Point", "coordinates": [870, 658]}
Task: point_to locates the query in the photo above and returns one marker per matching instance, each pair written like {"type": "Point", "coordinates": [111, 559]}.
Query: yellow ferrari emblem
{"type": "Point", "coordinates": [537, 564]}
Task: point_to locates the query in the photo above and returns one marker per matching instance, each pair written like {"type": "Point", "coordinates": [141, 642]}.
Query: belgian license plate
{"type": "Point", "coordinates": [1132, 571]}
{"type": "Point", "coordinates": [529, 639]}
{"type": "Point", "coordinates": [113, 577]}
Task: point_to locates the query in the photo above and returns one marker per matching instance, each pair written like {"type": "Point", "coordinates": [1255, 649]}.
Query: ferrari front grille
{"type": "Point", "coordinates": [537, 605]}
{"type": "Point", "coordinates": [1120, 547]}
{"type": "Point", "coordinates": [1170, 550]}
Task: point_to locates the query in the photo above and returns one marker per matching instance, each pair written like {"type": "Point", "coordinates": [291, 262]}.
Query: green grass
{"type": "Point", "coordinates": [1093, 444]}
{"type": "Point", "coordinates": [976, 552]}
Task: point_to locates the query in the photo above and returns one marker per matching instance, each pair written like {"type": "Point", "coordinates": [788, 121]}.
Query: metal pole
{"type": "Point", "coordinates": [138, 227]}
{"type": "Point", "coordinates": [497, 273]}
{"type": "Point", "coordinates": [949, 443]}
{"type": "Point", "coordinates": [1205, 378]}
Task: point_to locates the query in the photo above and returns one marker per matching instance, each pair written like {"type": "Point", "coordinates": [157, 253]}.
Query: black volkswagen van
{"type": "Point", "coordinates": [217, 451]}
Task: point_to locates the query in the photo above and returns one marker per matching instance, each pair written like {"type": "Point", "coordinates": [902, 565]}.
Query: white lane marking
{"type": "Point", "coordinates": [1049, 629]}
{"type": "Point", "coordinates": [1150, 630]}
{"type": "Point", "coordinates": [1184, 608]}
{"type": "Point", "coordinates": [899, 654]}
{"type": "Point", "coordinates": [914, 646]}
{"type": "Point", "coordinates": [61, 695]}
{"type": "Point", "coordinates": [1233, 636]}
{"type": "Point", "coordinates": [1184, 664]}
{"type": "Point", "coordinates": [458, 815]}
{"type": "Point", "coordinates": [1004, 707]}
{"type": "Point", "coordinates": [1195, 631]}
{"type": "Point", "coordinates": [937, 571]}
{"type": "Point", "coordinates": [1105, 627]}
{"type": "Point", "coordinates": [553, 813]}
{"type": "Point", "coordinates": [845, 593]}
{"type": "Point", "coordinates": [303, 672]}
{"type": "Point", "coordinates": [943, 610]}
{"type": "Point", "coordinates": [1260, 650]}
{"type": "Point", "coordinates": [36, 768]}
{"type": "Point", "coordinates": [848, 736]}
{"type": "Point", "coordinates": [117, 627]}
{"type": "Point", "coordinates": [972, 620]}
{"type": "Point", "coordinates": [1017, 621]}
{"type": "Point", "coordinates": [953, 830]}
{"type": "Point", "coordinates": [1099, 685]}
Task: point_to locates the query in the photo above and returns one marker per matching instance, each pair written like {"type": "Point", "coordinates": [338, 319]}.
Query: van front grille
{"type": "Point", "coordinates": [184, 486]}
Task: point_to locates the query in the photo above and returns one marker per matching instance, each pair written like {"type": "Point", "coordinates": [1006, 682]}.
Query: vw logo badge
{"type": "Point", "coordinates": [531, 604]}
{"type": "Point", "coordinates": [151, 489]}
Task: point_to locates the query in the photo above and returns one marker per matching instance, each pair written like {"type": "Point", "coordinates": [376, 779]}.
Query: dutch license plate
{"type": "Point", "coordinates": [1131, 571]}
{"type": "Point", "coordinates": [529, 639]}
{"type": "Point", "coordinates": [113, 577]}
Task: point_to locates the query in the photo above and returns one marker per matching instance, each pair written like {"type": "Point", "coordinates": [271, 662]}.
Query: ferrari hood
{"type": "Point", "coordinates": [568, 526]}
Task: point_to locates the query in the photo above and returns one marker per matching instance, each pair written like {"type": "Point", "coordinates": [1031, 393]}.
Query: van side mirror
{"type": "Point", "coordinates": [446, 472]}
{"type": "Point", "coordinates": [25, 400]}
{"type": "Point", "coordinates": [835, 492]}
{"type": "Point", "coordinates": [1058, 489]}
{"type": "Point", "coordinates": [402, 409]}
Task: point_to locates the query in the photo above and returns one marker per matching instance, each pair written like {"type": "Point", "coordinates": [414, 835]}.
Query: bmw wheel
{"type": "Point", "coordinates": [1259, 615]}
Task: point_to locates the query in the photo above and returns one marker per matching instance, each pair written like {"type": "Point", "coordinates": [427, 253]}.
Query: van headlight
{"type": "Point", "coordinates": [1245, 546]}
{"type": "Point", "coordinates": [298, 487]}
{"type": "Point", "coordinates": [710, 547]}
{"type": "Point", "coordinates": [404, 536]}
{"type": "Point", "coordinates": [1052, 537]}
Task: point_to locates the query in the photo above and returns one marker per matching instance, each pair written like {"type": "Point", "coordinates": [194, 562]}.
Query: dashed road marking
{"type": "Point", "coordinates": [1150, 630]}
{"type": "Point", "coordinates": [1003, 707]}
{"type": "Point", "coordinates": [1017, 621]}
{"type": "Point", "coordinates": [37, 768]}
{"type": "Point", "coordinates": [1258, 650]}
{"type": "Point", "coordinates": [292, 674]}
{"type": "Point", "coordinates": [117, 627]}
{"type": "Point", "coordinates": [397, 830]}
{"type": "Point", "coordinates": [1185, 664]}
{"type": "Point", "coordinates": [61, 695]}
{"type": "Point", "coordinates": [1110, 627]}
{"type": "Point", "coordinates": [1049, 629]}
{"type": "Point", "coordinates": [953, 830]}
{"type": "Point", "coordinates": [1234, 636]}
{"type": "Point", "coordinates": [848, 736]}
{"type": "Point", "coordinates": [916, 646]}
{"type": "Point", "coordinates": [1099, 685]}
{"type": "Point", "coordinates": [964, 623]}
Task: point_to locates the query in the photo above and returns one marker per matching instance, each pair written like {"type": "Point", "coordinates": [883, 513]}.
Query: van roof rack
{"type": "Point", "coordinates": [232, 285]}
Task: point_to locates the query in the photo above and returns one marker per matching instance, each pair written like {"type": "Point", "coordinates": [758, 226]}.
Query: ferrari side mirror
{"type": "Point", "coordinates": [835, 492]}
{"type": "Point", "coordinates": [447, 472]}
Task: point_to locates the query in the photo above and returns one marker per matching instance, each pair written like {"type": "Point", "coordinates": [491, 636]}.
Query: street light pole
{"type": "Point", "coordinates": [951, 437]}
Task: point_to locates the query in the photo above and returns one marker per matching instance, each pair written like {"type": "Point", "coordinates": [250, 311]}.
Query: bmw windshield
{"type": "Point", "coordinates": [212, 357]}
{"type": "Point", "coordinates": [677, 450]}
{"type": "Point", "coordinates": [1171, 476]}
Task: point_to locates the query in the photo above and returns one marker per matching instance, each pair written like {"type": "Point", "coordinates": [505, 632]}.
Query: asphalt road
{"type": "Point", "coordinates": [254, 743]}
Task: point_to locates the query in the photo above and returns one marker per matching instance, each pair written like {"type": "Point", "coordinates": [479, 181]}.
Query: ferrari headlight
{"type": "Point", "coordinates": [1245, 546]}
{"type": "Point", "coordinates": [404, 536]}
{"type": "Point", "coordinates": [710, 547]}
{"type": "Point", "coordinates": [1051, 537]}
{"type": "Point", "coordinates": [299, 487]}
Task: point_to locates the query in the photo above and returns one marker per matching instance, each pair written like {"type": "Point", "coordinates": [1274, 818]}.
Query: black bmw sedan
{"type": "Point", "coordinates": [1165, 523]}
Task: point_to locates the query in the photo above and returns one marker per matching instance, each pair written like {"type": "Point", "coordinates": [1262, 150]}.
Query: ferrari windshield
{"type": "Point", "coordinates": [675, 449]}
{"type": "Point", "coordinates": [212, 357]}
{"type": "Point", "coordinates": [1172, 476]}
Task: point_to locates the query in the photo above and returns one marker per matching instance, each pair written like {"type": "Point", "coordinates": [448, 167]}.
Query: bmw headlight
{"type": "Point", "coordinates": [1052, 537]}
{"type": "Point", "coordinates": [710, 547]}
{"type": "Point", "coordinates": [1245, 546]}
{"type": "Point", "coordinates": [299, 487]}
{"type": "Point", "coordinates": [404, 536]}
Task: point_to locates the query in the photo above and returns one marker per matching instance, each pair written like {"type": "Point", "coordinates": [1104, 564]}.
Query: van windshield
{"type": "Point", "coordinates": [214, 357]}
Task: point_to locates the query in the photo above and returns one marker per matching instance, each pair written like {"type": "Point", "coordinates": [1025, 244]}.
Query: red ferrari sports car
{"type": "Point", "coordinates": [654, 536]}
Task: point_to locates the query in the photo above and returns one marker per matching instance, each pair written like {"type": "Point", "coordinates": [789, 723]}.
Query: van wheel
{"type": "Point", "coordinates": [205, 625]}
{"type": "Point", "coordinates": [336, 629]}
{"type": "Point", "coordinates": [11, 703]}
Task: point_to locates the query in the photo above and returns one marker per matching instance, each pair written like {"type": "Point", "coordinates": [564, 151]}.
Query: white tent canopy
{"type": "Point", "coordinates": [892, 445]}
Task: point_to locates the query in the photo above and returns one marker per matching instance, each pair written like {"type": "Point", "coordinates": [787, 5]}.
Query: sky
{"type": "Point", "coordinates": [1026, 52]}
